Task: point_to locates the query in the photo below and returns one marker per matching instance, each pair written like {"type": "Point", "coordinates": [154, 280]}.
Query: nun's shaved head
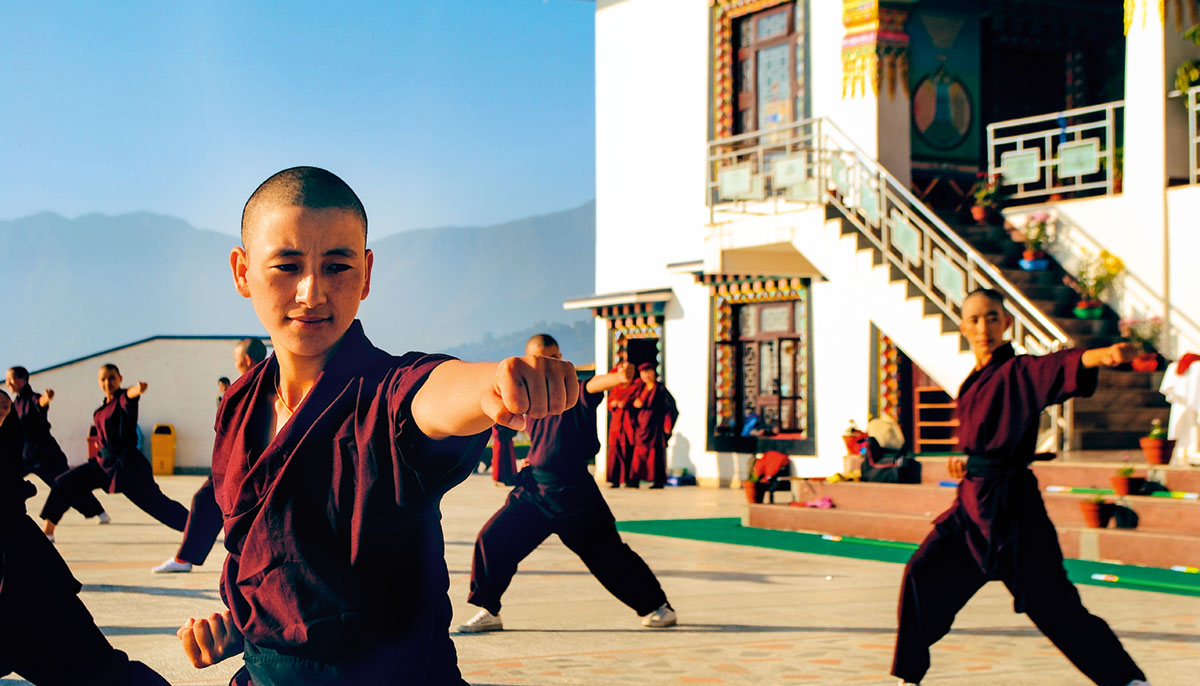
{"type": "Point", "coordinates": [308, 187]}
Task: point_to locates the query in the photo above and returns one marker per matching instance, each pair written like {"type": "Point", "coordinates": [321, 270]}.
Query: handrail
{"type": "Point", "coordinates": [820, 140]}
{"type": "Point", "coordinates": [905, 231]}
{"type": "Point", "coordinates": [1054, 116]}
{"type": "Point", "coordinates": [988, 268]}
{"type": "Point", "coordinates": [1193, 95]}
{"type": "Point", "coordinates": [1034, 144]}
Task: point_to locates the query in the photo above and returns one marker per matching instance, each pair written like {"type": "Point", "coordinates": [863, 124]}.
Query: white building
{"type": "Point", "coordinates": [182, 374]}
{"type": "Point", "coordinates": [780, 186]}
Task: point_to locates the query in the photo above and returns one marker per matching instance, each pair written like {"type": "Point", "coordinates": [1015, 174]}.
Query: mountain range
{"type": "Point", "coordinates": [78, 286]}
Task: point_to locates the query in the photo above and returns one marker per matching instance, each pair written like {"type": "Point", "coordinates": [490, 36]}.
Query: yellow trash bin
{"type": "Point", "coordinates": [162, 449]}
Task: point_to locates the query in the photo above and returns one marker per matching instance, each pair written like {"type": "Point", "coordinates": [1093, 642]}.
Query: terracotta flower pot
{"type": "Point", "coordinates": [752, 495]}
{"type": "Point", "coordinates": [979, 214]}
{"type": "Point", "coordinates": [1125, 485]}
{"type": "Point", "coordinates": [1091, 513]}
{"type": "Point", "coordinates": [1145, 362]}
{"type": "Point", "coordinates": [1157, 450]}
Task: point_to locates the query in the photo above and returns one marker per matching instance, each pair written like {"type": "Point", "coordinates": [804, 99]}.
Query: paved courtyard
{"type": "Point", "coordinates": [747, 615]}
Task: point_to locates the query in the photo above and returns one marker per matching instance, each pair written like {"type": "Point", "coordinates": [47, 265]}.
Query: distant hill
{"type": "Point", "coordinates": [76, 286]}
{"type": "Point", "coordinates": [576, 342]}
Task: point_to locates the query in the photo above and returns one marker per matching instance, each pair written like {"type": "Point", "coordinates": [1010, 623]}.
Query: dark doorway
{"type": "Point", "coordinates": [641, 350]}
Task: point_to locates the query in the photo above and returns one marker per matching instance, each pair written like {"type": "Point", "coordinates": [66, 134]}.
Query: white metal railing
{"type": "Point", "coordinates": [1062, 152]}
{"type": "Point", "coordinates": [809, 162]}
{"type": "Point", "coordinates": [1193, 101]}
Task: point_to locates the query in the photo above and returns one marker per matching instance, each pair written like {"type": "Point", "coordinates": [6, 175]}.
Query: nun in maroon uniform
{"type": "Point", "coordinates": [204, 518]}
{"type": "Point", "coordinates": [997, 527]}
{"type": "Point", "coordinates": [654, 419]}
{"type": "Point", "coordinates": [120, 467]}
{"type": "Point", "coordinates": [557, 495]}
{"type": "Point", "coordinates": [331, 459]}
{"type": "Point", "coordinates": [619, 463]}
{"type": "Point", "coordinates": [50, 636]}
{"type": "Point", "coordinates": [42, 455]}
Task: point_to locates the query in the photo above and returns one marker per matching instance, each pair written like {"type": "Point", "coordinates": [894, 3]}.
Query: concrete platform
{"type": "Point", "coordinates": [748, 615]}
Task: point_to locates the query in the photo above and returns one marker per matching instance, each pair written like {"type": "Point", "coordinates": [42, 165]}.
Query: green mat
{"type": "Point", "coordinates": [730, 530]}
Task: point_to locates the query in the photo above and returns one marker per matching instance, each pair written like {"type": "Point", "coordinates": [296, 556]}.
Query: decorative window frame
{"type": "Point", "coordinates": [727, 292]}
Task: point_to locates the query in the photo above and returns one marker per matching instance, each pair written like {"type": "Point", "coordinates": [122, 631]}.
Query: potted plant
{"type": "Point", "coordinates": [1124, 482]}
{"type": "Point", "coordinates": [1093, 509]}
{"type": "Point", "coordinates": [1036, 236]}
{"type": "Point", "coordinates": [1096, 274]}
{"type": "Point", "coordinates": [988, 199]}
{"type": "Point", "coordinates": [1155, 445]}
{"type": "Point", "coordinates": [1144, 335]}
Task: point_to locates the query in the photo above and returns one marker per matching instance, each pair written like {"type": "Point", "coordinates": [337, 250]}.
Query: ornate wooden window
{"type": "Point", "coordinates": [762, 351]}
{"type": "Point", "coordinates": [761, 65]}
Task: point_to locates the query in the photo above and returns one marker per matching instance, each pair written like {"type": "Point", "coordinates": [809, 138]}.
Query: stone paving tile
{"type": "Point", "coordinates": [748, 615]}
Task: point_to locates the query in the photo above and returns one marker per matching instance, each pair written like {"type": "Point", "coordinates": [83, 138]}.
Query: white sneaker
{"type": "Point", "coordinates": [104, 518]}
{"type": "Point", "coordinates": [481, 622]}
{"type": "Point", "coordinates": [50, 537]}
{"type": "Point", "coordinates": [1138, 682]}
{"type": "Point", "coordinates": [172, 566]}
{"type": "Point", "coordinates": [664, 616]}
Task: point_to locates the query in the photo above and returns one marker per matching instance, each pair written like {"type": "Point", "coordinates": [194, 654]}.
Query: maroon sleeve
{"type": "Point", "coordinates": [1059, 376]}
{"type": "Point", "coordinates": [436, 460]}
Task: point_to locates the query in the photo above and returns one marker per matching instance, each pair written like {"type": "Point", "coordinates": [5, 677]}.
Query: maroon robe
{"type": "Point", "coordinates": [619, 462]}
{"type": "Point", "coordinates": [558, 495]}
{"type": "Point", "coordinates": [998, 528]}
{"type": "Point", "coordinates": [653, 424]}
{"type": "Point", "coordinates": [504, 455]}
{"type": "Point", "coordinates": [49, 636]}
{"type": "Point", "coordinates": [119, 468]}
{"type": "Point", "coordinates": [334, 528]}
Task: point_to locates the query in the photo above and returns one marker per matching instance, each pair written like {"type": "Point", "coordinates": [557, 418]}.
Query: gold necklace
{"type": "Point", "coordinates": [281, 401]}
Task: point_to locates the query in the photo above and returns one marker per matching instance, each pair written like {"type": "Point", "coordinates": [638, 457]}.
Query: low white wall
{"type": "Point", "coordinates": [182, 376]}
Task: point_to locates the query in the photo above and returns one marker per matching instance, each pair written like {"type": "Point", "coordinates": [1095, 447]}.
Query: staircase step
{"type": "Point", "coordinates": [1127, 419]}
{"type": "Point", "coordinates": [1114, 378]}
{"type": "Point", "coordinates": [1163, 515]}
{"type": "Point", "coordinates": [1110, 439]}
{"type": "Point", "coordinates": [1126, 546]}
{"type": "Point", "coordinates": [1069, 471]}
{"type": "Point", "coordinates": [1119, 399]}
{"type": "Point", "coordinates": [1021, 278]}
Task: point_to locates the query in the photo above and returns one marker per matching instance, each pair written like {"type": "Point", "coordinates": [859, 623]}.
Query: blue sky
{"type": "Point", "coordinates": [438, 113]}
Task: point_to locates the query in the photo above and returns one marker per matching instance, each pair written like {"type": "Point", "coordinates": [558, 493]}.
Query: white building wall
{"type": "Point", "coordinates": [651, 139]}
{"type": "Point", "coordinates": [653, 118]}
{"type": "Point", "coordinates": [182, 375]}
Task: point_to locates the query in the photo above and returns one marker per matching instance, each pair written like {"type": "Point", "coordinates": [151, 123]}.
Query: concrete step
{"type": "Point", "coordinates": [1110, 439]}
{"type": "Point", "coordinates": [1126, 419]}
{"type": "Point", "coordinates": [1114, 378]}
{"type": "Point", "coordinates": [1125, 546]}
{"type": "Point", "coordinates": [1121, 399]}
{"type": "Point", "coordinates": [1163, 515]}
{"type": "Point", "coordinates": [1080, 474]}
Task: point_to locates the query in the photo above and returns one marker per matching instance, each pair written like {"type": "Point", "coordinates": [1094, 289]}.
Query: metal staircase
{"type": "Point", "coordinates": [811, 163]}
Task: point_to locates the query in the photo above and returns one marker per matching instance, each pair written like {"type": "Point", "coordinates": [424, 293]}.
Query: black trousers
{"type": "Point", "coordinates": [51, 639]}
{"type": "Point", "coordinates": [203, 524]}
{"type": "Point", "coordinates": [943, 575]}
{"type": "Point", "coordinates": [49, 467]}
{"type": "Point", "coordinates": [136, 483]}
{"type": "Point", "coordinates": [582, 520]}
